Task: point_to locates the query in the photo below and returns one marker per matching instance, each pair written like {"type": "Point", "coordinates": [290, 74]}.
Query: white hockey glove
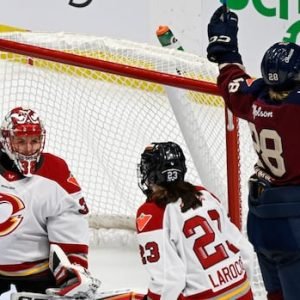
{"type": "Point", "coordinates": [73, 281]}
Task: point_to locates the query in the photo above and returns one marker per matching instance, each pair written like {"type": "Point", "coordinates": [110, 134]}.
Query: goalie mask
{"type": "Point", "coordinates": [23, 139]}
{"type": "Point", "coordinates": [161, 163]}
{"type": "Point", "coordinates": [280, 66]}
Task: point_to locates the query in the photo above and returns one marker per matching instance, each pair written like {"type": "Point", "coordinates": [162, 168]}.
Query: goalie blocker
{"type": "Point", "coordinates": [75, 282]}
{"type": "Point", "coordinates": [72, 280]}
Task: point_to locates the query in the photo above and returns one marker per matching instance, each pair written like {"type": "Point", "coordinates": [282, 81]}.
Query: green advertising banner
{"type": "Point", "coordinates": [280, 9]}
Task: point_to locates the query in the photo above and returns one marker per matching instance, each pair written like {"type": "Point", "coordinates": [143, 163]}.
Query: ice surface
{"type": "Point", "coordinates": [117, 268]}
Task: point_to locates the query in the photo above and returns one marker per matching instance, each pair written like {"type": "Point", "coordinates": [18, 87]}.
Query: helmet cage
{"type": "Point", "coordinates": [161, 163]}
{"type": "Point", "coordinates": [22, 122]}
{"type": "Point", "coordinates": [280, 66]}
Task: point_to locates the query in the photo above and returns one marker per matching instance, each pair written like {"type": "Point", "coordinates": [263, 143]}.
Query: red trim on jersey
{"type": "Point", "coordinates": [200, 188]}
{"type": "Point", "coordinates": [11, 175]}
{"type": "Point", "coordinates": [72, 248]}
{"type": "Point", "coordinates": [56, 169]}
{"type": "Point", "coordinates": [22, 266]}
{"type": "Point", "coordinates": [153, 296]}
{"type": "Point", "coordinates": [209, 294]}
{"type": "Point", "coordinates": [154, 215]}
{"type": "Point", "coordinates": [76, 253]}
{"type": "Point", "coordinates": [149, 216]}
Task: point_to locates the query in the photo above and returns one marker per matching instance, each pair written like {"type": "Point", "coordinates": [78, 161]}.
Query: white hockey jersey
{"type": "Point", "coordinates": [195, 255]}
{"type": "Point", "coordinates": [37, 211]}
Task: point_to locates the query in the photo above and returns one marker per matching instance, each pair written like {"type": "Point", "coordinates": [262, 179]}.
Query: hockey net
{"type": "Point", "coordinates": [100, 122]}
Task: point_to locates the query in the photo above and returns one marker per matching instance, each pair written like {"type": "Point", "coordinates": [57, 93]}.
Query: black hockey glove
{"type": "Point", "coordinates": [222, 34]}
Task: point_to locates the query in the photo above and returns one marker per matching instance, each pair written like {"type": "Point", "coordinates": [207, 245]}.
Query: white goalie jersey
{"type": "Point", "coordinates": [37, 211]}
{"type": "Point", "coordinates": [198, 254]}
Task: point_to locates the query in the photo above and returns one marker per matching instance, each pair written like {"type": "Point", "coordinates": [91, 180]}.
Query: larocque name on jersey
{"type": "Point", "coordinates": [224, 275]}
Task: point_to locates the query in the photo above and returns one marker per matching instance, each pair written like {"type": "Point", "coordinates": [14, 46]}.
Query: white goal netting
{"type": "Point", "coordinates": [100, 122]}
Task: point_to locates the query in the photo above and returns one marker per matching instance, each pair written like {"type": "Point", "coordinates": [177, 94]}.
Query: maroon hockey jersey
{"type": "Point", "coordinates": [272, 123]}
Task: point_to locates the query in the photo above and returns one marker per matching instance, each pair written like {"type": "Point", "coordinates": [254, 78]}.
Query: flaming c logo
{"type": "Point", "coordinates": [10, 206]}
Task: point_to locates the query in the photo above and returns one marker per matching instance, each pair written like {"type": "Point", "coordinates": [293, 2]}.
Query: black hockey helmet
{"type": "Point", "coordinates": [161, 163]}
{"type": "Point", "coordinates": [280, 66]}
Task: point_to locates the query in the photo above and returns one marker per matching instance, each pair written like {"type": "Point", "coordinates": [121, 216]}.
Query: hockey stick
{"type": "Point", "coordinates": [120, 294]}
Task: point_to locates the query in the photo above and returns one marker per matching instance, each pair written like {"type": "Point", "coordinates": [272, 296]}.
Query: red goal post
{"type": "Point", "coordinates": [57, 57]}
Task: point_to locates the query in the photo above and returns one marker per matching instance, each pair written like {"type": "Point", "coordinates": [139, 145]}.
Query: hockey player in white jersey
{"type": "Point", "coordinates": [41, 204]}
{"type": "Point", "coordinates": [187, 243]}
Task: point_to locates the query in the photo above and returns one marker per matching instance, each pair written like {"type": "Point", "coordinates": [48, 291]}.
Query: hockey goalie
{"type": "Point", "coordinates": [73, 283]}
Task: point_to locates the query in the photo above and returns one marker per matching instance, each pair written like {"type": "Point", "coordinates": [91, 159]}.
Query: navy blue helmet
{"type": "Point", "coordinates": [161, 163]}
{"type": "Point", "coordinates": [280, 66]}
